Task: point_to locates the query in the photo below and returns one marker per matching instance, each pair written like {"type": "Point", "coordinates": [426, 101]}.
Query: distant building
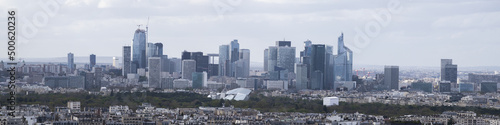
{"type": "Point", "coordinates": [445, 86]}
{"type": "Point", "coordinates": [74, 105]}
{"type": "Point", "coordinates": [224, 60]}
{"type": "Point", "coordinates": [301, 80]}
{"type": "Point", "coordinates": [181, 84]}
{"type": "Point", "coordinates": [448, 71]}
{"type": "Point", "coordinates": [478, 78]}
{"type": "Point", "coordinates": [466, 87]}
{"type": "Point", "coordinates": [318, 66]}
{"type": "Point", "coordinates": [277, 84]}
{"type": "Point", "coordinates": [421, 86]}
{"type": "Point", "coordinates": [92, 61]}
{"type": "Point", "coordinates": [71, 62]}
{"type": "Point", "coordinates": [167, 83]}
{"type": "Point", "coordinates": [330, 101]}
{"type": "Point", "coordinates": [488, 87]}
{"type": "Point", "coordinates": [199, 80]}
{"type": "Point", "coordinates": [391, 77]}
{"type": "Point", "coordinates": [139, 48]}
{"type": "Point", "coordinates": [343, 61]}
{"type": "Point", "coordinates": [266, 57]}
{"type": "Point", "coordinates": [126, 69]}
{"type": "Point", "coordinates": [154, 77]}
{"type": "Point", "coordinates": [188, 67]}
{"type": "Point", "coordinates": [345, 85]}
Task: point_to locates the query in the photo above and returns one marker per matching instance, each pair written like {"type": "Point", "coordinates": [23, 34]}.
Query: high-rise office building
{"type": "Point", "coordinates": [224, 60]}
{"type": "Point", "coordinates": [158, 51]}
{"type": "Point", "coordinates": [175, 65]}
{"type": "Point", "coordinates": [71, 62]}
{"type": "Point", "coordinates": [188, 67]}
{"type": "Point", "coordinates": [329, 80]}
{"type": "Point", "coordinates": [318, 66]}
{"type": "Point", "coordinates": [286, 57]}
{"type": "Point", "coordinates": [92, 61]}
{"type": "Point", "coordinates": [199, 80]}
{"type": "Point", "coordinates": [266, 57]}
{"type": "Point", "coordinates": [244, 71]}
{"type": "Point", "coordinates": [343, 61]}
{"type": "Point", "coordinates": [234, 54]}
{"type": "Point", "coordinates": [448, 71]}
{"type": "Point", "coordinates": [201, 60]}
{"type": "Point", "coordinates": [154, 77]}
{"type": "Point", "coordinates": [139, 49]}
{"type": "Point", "coordinates": [272, 60]}
{"type": "Point", "coordinates": [165, 63]}
{"type": "Point", "coordinates": [301, 80]}
{"type": "Point", "coordinates": [126, 69]}
{"type": "Point", "coordinates": [391, 77]}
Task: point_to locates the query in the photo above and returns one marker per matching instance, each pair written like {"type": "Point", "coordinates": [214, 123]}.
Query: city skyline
{"type": "Point", "coordinates": [424, 44]}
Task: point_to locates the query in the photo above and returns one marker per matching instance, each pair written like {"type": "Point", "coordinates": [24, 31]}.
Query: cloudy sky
{"type": "Point", "coordinates": [380, 32]}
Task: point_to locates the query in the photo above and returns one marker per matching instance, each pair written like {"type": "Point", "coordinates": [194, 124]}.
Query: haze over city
{"type": "Point", "coordinates": [420, 34]}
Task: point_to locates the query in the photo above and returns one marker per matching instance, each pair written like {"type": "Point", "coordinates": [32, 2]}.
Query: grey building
{"type": "Point", "coordinates": [448, 71]}
{"type": "Point", "coordinates": [422, 86]}
{"type": "Point", "coordinates": [126, 69]}
{"type": "Point", "coordinates": [188, 67]}
{"type": "Point", "coordinates": [224, 60]}
{"type": "Point", "coordinates": [92, 61]}
{"type": "Point", "coordinates": [301, 80]}
{"type": "Point", "coordinates": [266, 57]}
{"type": "Point", "coordinates": [318, 66]}
{"type": "Point", "coordinates": [71, 62]}
{"type": "Point", "coordinates": [444, 86]}
{"type": "Point", "coordinates": [391, 77]}
{"type": "Point", "coordinates": [154, 77]}
{"type": "Point", "coordinates": [286, 58]}
{"type": "Point", "coordinates": [488, 87]}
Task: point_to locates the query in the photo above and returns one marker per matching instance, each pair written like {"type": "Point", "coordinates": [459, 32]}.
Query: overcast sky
{"type": "Point", "coordinates": [417, 32]}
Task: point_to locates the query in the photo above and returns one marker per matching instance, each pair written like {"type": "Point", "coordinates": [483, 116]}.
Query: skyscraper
{"type": "Point", "coordinates": [301, 76]}
{"type": "Point", "coordinates": [165, 63]}
{"type": "Point", "coordinates": [272, 60]}
{"type": "Point", "coordinates": [448, 71]}
{"type": "Point", "coordinates": [286, 57]}
{"type": "Point", "coordinates": [126, 60]}
{"type": "Point", "coordinates": [391, 77]}
{"type": "Point", "coordinates": [266, 57]}
{"type": "Point", "coordinates": [92, 60]}
{"type": "Point", "coordinates": [245, 63]}
{"type": "Point", "coordinates": [188, 67]}
{"type": "Point", "coordinates": [318, 65]}
{"type": "Point", "coordinates": [154, 77]}
{"type": "Point", "coordinates": [158, 51]}
{"type": "Point", "coordinates": [343, 62]}
{"type": "Point", "coordinates": [224, 60]}
{"type": "Point", "coordinates": [139, 48]}
{"type": "Point", "coordinates": [71, 62]}
{"type": "Point", "coordinates": [329, 79]}
{"type": "Point", "coordinates": [234, 54]}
